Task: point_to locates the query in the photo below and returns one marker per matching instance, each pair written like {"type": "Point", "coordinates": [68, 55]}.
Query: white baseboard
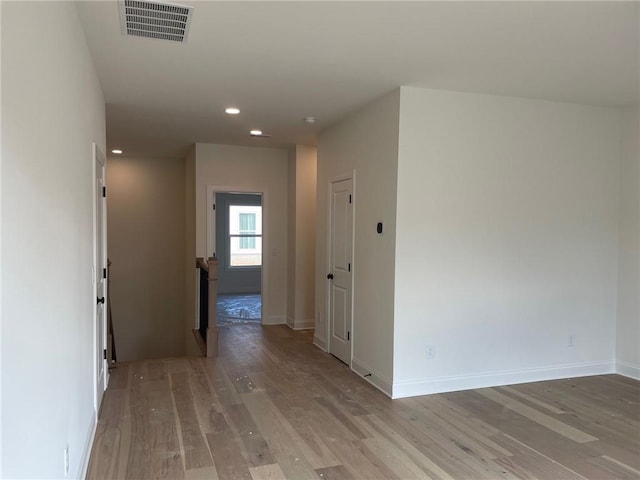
{"type": "Point", "coordinates": [301, 324]}
{"type": "Point", "coordinates": [379, 381]}
{"type": "Point", "coordinates": [275, 320]}
{"type": "Point", "coordinates": [321, 343]}
{"type": "Point", "coordinates": [88, 443]}
{"type": "Point", "coordinates": [496, 379]}
{"type": "Point", "coordinates": [628, 369]}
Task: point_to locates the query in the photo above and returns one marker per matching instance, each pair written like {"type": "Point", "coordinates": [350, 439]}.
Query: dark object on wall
{"type": "Point", "coordinates": [204, 303]}
{"type": "Point", "coordinates": [112, 358]}
{"type": "Point", "coordinates": [379, 227]}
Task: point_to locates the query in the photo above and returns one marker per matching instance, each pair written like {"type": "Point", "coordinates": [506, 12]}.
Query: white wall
{"type": "Point", "coordinates": [506, 240]}
{"type": "Point", "coordinates": [366, 142]}
{"type": "Point", "coordinates": [146, 222]}
{"type": "Point", "coordinates": [52, 111]}
{"type": "Point", "coordinates": [257, 170]}
{"type": "Point", "coordinates": [301, 237]}
{"type": "Point", "coordinates": [628, 325]}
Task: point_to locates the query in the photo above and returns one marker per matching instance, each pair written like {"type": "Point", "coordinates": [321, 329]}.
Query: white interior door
{"type": "Point", "coordinates": [100, 276]}
{"type": "Point", "coordinates": [340, 269]}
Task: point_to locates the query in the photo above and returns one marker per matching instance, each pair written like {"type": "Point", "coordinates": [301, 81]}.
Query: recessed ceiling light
{"type": "Point", "coordinates": [256, 132]}
{"type": "Point", "coordinates": [232, 110]}
{"type": "Point", "coordinates": [310, 119]}
{"type": "Point", "coordinates": [117, 151]}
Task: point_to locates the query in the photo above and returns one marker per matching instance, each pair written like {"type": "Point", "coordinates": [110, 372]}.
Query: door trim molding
{"type": "Point", "coordinates": [211, 239]}
{"type": "Point", "coordinates": [99, 158]}
{"type": "Point", "coordinates": [350, 175]}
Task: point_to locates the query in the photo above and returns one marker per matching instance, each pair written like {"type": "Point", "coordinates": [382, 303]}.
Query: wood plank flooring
{"type": "Point", "coordinates": [272, 406]}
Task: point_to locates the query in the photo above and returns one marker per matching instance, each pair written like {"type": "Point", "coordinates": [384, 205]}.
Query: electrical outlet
{"type": "Point", "coordinates": [430, 352]}
{"type": "Point", "coordinates": [66, 460]}
{"type": "Point", "coordinates": [572, 340]}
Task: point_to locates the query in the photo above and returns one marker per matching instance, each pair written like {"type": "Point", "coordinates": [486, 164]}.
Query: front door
{"type": "Point", "coordinates": [100, 262]}
{"type": "Point", "coordinates": [340, 269]}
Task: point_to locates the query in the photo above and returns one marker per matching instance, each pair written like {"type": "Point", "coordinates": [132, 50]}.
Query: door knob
{"type": "Point", "coordinates": [100, 300]}
{"type": "Point", "coordinates": [330, 276]}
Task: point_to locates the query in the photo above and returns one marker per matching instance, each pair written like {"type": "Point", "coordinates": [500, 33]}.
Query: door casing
{"type": "Point", "coordinates": [212, 190]}
{"type": "Point", "coordinates": [101, 368]}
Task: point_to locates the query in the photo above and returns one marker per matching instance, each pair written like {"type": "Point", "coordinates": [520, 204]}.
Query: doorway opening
{"type": "Point", "coordinates": [239, 248]}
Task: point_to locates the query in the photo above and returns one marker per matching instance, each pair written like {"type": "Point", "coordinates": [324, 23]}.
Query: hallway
{"type": "Point", "coordinates": [274, 406]}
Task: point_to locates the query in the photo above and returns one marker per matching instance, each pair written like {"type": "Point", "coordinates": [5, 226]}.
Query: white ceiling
{"type": "Point", "coordinates": [281, 61]}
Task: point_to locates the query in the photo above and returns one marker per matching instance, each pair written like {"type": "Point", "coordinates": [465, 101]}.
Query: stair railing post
{"type": "Point", "coordinates": [212, 330]}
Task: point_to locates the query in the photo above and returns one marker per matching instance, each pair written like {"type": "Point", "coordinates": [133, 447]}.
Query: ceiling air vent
{"type": "Point", "coordinates": [165, 21]}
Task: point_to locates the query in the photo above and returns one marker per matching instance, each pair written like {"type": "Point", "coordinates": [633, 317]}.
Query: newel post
{"type": "Point", "coordinates": [212, 330]}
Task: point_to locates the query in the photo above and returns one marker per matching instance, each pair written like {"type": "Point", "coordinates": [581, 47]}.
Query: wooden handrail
{"type": "Point", "coordinates": [200, 263]}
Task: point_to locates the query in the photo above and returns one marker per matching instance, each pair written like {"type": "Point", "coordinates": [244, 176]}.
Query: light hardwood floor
{"type": "Point", "coordinates": [274, 406]}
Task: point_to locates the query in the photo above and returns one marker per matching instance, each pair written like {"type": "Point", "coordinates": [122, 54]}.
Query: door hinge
{"type": "Point", "coordinates": [214, 206]}
{"type": "Point", "coordinates": [104, 192]}
{"type": "Point", "coordinates": [348, 335]}
{"type": "Point", "coordinates": [104, 273]}
{"type": "Point", "coordinates": [350, 199]}
{"type": "Point", "coordinates": [104, 354]}
{"type": "Point", "coordinates": [349, 267]}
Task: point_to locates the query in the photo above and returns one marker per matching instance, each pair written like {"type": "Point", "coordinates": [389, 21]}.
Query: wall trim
{"type": "Point", "coordinates": [628, 369]}
{"type": "Point", "coordinates": [381, 382]}
{"type": "Point", "coordinates": [301, 324]}
{"type": "Point", "coordinates": [321, 343]}
{"type": "Point", "coordinates": [275, 320]}
{"type": "Point", "coordinates": [88, 444]}
{"type": "Point", "coordinates": [499, 378]}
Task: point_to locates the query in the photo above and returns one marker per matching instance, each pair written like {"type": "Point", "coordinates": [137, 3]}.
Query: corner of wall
{"type": "Point", "coordinates": [320, 342]}
{"type": "Point", "coordinates": [300, 324]}
{"type": "Point", "coordinates": [627, 369]}
{"type": "Point", "coordinates": [381, 382]}
{"type": "Point", "coordinates": [275, 320]}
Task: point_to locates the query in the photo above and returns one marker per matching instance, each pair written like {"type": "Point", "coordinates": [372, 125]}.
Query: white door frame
{"type": "Point", "coordinates": [212, 190]}
{"type": "Point", "coordinates": [338, 178]}
{"type": "Point", "coordinates": [99, 333]}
